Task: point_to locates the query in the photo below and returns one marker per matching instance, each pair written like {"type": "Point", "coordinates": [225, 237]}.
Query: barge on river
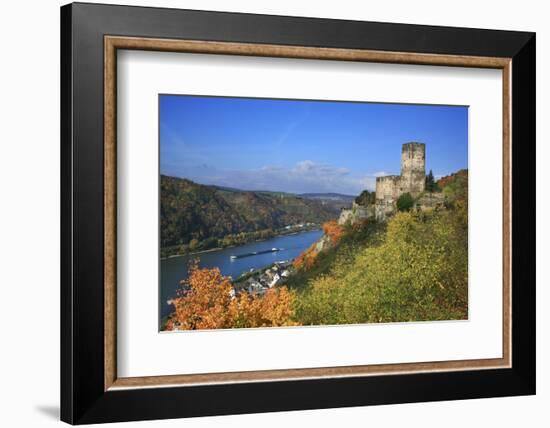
{"type": "Point", "coordinates": [254, 253]}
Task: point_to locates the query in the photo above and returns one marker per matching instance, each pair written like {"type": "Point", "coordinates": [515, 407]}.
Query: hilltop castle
{"type": "Point", "coordinates": [388, 188]}
{"type": "Point", "coordinates": [412, 179]}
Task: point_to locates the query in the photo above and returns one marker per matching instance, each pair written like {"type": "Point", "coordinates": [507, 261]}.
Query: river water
{"type": "Point", "coordinates": [174, 269]}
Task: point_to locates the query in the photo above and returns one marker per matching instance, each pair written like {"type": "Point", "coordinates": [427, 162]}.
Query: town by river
{"type": "Point", "coordinates": [174, 269]}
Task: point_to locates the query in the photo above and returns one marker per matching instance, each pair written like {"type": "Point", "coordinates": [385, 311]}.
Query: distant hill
{"type": "Point", "coordinates": [328, 196]}
{"type": "Point", "coordinates": [335, 200]}
{"type": "Point", "coordinates": [194, 211]}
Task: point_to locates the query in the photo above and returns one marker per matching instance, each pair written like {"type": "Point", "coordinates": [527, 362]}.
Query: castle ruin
{"type": "Point", "coordinates": [390, 187]}
{"type": "Point", "coordinates": [411, 180]}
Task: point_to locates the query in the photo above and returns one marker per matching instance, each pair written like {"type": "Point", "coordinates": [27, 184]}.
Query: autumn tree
{"type": "Point", "coordinates": [274, 308]}
{"type": "Point", "coordinates": [455, 186]}
{"type": "Point", "coordinates": [333, 233]}
{"type": "Point", "coordinates": [307, 258]}
{"type": "Point", "coordinates": [202, 301]}
{"type": "Point", "coordinates": [461, 175]}
{"type": "Point", "coordinates": [206, 300]}
{"type": "Point", "coordinates": [333, 230]}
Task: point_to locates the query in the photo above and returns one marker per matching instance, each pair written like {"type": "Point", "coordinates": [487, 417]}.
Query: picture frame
{"type": "Point", "coordinates": [91, 35]}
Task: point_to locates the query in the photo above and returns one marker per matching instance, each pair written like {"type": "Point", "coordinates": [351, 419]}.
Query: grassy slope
{"type": "Point", "coordinates": [359, 237]}
{"type": "Point", "coordinates": [412, 268]}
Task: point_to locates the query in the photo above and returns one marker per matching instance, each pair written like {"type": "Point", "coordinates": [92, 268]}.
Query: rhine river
{"type": "Point", "coordinates": [174, 269]}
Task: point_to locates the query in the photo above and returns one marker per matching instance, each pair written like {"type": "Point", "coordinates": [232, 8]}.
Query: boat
{"type": "Point", "coordinates": [254, 253]}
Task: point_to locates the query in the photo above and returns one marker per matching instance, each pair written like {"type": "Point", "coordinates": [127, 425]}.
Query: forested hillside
{"type": "Point", "coordinates": [196, 217]}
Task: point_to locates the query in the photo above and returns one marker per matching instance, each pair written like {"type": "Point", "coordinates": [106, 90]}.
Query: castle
{"type": "Point", "coordinates": [412, 179]}
{"type": "Point", "coordinates": [388, 188]}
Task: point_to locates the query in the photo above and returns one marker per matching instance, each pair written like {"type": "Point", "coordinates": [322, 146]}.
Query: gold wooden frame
{"type": "Point", "coordinates": [113, 43]}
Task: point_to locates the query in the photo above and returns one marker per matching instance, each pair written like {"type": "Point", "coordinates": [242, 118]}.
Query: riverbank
{"type": "Point", "coordinates": [175, 269]}
{"type": "Point", "coordinates": [238, 239]}
{"type": "Point", "coordinates": [194, 253]}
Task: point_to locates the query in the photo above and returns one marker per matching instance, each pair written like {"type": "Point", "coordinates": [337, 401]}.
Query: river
{"type": "Point", "coordinates": [174, 269]}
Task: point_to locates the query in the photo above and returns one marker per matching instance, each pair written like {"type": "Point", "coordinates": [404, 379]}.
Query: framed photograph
{"type": "Point", "coordinates": [266, 213]}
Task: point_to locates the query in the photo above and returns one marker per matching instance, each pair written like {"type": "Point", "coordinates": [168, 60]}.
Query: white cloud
{"type": "Point", "coordinates": [305, 176]}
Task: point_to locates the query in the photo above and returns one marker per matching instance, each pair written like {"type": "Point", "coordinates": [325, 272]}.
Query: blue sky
{"type": "Point", "coordinates": [303, 146]}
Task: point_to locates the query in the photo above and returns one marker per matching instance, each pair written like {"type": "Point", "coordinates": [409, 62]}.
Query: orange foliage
{"type": "Point", "coordinates": [274, 308]}
{"type": "Point", "coordinates": [306, 260]}
{"type": "Point", "coordinates": [311, 256]}
{"type": "Point", "coordinates": [333, 230]}
{"type": "Point", "coordinates": [298, 262]}
{"type": "Point", "coordinates": [448, 179]}
{"type": "Point", "coordinates": [206, 302]}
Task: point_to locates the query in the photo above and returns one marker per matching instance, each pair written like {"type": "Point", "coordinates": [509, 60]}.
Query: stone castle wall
{"type": "Point", "coordinates": [356, 214]}
{"type": "Point", "coordinates": [413, 168]}
{"type": "Point", "coordinates": [413, 174]}
{"type": "Point", "coordinates": [412, 179]}
{"type": "Point", "coordinates": [387, 187]}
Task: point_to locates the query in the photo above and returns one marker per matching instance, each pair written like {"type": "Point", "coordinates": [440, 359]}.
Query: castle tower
{"type": "Point", "coordinates": [413, 168]}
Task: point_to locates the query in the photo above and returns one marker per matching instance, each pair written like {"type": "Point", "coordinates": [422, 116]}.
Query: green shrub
{"type": "Point", "coordinates": [366, 198]}
{"type": "Point", "coordinates": [405, 202]}
{"type": "Point", "coordinates": [431, 185]}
